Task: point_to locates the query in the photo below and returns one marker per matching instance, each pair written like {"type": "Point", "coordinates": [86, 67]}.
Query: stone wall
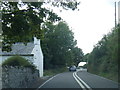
{"type": "Point", "coordinates": [19, 77]}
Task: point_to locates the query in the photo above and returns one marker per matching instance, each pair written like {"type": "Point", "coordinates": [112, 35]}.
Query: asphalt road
{"type": "Point", "coordinates": [79, 79]}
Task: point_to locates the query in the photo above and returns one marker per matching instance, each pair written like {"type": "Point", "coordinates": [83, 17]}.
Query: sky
{"type": "Point", "coordinates": [94, 19]}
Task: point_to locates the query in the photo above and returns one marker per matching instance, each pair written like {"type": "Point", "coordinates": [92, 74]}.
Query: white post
{"type": "Point", "coordinates": [119, 12]}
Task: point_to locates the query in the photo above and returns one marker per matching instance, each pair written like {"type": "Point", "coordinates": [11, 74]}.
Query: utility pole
{"type": "Point", "coordinates": [115, 14]}
{"type": "Point", "coordinates": [119, 12]}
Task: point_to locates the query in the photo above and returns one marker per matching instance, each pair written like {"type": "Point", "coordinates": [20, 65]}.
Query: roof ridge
{"type": "Point", "coordinates": [23, 48]}
{"type": "Point", "coordinates": [20, 48]}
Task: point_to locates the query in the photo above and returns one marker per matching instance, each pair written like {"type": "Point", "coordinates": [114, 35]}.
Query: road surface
{"type": "Point", "coordinates": [80, 79]}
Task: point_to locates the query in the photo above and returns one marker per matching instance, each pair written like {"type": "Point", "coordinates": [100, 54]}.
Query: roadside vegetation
{"type": "Point", "coordinates": [18, 61]}
{"type": "Point", "coordinates": [103, 60]}
{"type": "Point", "coordinates": [59, 47]}
{"type": "Point", "coordinates": [52, 72]}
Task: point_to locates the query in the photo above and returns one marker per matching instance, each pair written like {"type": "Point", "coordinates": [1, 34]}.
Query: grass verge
{"type": "Point", "coordinates": [52, 72]}
{"type": "Point", "coordinates": [110, 76]}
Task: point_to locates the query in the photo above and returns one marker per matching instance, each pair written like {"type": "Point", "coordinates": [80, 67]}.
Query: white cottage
{"type": "Point", "coordinates": [32, 52]}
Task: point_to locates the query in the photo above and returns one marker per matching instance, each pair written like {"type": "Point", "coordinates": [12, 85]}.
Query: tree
{"type": "Point", "coordinates": [59, 46]}
{"type": "Point", "coordinates": [85, 58]}
{"type": "Point", "coordinates": [22, 24]}
{"type": "Point", "coordinates": [78, 54]}
{"type": "Point", "coordinates": [105, 55]}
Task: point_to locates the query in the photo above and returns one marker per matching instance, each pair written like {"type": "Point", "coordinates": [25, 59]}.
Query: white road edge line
{"type": "Point", "coordinates": [46, 81]}
{"type": "Point", "coordinates": [78, 82]}
{"type": "Point", "coordinates": [83, 81]}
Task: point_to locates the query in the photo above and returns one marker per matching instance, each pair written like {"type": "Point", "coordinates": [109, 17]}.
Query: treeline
{"type": "Point", "coordinates": [21, 21]}
{"type": "Point", "coordinates": [59, 46]}
{"type": "Point", "coordinates": [103, 60]}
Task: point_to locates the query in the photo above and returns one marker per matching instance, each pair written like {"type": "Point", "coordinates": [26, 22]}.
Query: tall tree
{"type": "Point", "coordinates": [78, 54]}
{"type": "Point", "coordinates": [105, 55]}
{"type": "Point", "coordinates": [25, 19]}
{"type": "Point", "coordinates": [59, 46]}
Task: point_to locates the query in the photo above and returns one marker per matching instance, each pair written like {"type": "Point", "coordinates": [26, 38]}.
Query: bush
{"type": "Point", "coordinates": [18, 61]}
{"type": "Point", "coordinates": [51, 72]}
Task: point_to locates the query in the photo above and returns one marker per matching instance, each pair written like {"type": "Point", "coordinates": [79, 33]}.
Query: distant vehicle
{"type": "Point", "coordinates": [72, 68]}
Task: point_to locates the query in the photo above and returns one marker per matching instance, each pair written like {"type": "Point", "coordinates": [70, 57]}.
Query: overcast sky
{"type": "Point", "coordinates": [94, 19]}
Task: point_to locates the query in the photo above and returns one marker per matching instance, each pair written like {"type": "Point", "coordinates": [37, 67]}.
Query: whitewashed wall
{"type": "Point", "coordinates": [36, 59]}
{"type": "Point", "coordinates": [38, 56]}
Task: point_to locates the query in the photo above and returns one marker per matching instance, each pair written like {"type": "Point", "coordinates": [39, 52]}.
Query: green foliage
{"type": "Point", "coordinates": [85, 58]}
{"type": "Point", "coordinates": [18, 61]}
{"type": "Point", "coordinates": [103, 59]}
{"type": "Point", "coordinates": [19, 21]}
{"type": "Point", "coordinates": [59, 46]}
{"type": "Point", "coordinates": [85, 66]}
{"type": "Point", "coordinates": [78, 55]}
{"type": "Point", "coordinates": [54, 71]}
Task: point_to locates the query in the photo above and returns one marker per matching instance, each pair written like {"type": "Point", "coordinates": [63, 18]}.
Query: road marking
{"type": "Point", "coordinates": [78, 81]}
{"type": "Point", "coordinates": [76, 77]}
{"type": "Point", "coordinates": [83, 81]}
{"type": "Point", "coordinates": [46, 82]}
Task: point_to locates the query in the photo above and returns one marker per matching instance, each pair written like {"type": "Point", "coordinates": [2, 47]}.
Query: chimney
{"type": "Point", "coordinates": [36, 41]}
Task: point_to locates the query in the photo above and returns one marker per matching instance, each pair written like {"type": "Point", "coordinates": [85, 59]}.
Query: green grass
{"type": "Point", "coordinates": [52, 72]}
{"type": "Point", "coordinates": [111, 76]}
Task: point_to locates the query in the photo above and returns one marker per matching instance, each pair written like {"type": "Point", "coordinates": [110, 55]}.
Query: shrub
{"type": "Point", "coordinates": [18, 61]}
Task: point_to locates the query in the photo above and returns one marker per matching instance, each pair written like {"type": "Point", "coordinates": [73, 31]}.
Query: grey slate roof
{"type": "Point", "coordinates": [20, 49]}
